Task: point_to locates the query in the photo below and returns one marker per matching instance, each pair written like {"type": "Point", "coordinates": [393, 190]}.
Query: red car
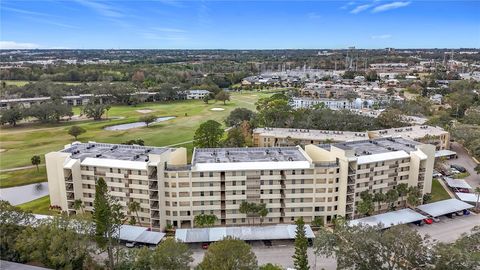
{"type": "Point", "coordinates": [205, 245]}
{"type": "Point", "coordinates": [428, 221]}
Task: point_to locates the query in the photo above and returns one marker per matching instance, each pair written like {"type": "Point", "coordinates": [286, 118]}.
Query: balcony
{"type": "Point", "coordinates": [69, 178]}
{"type": "Point", "coordinates": [154, 205]}
{"type": "Point", "coordinates": [69, 187]}
{"type": "Point", "coordinates": [153, 186]}
{"type": "Point", "coordinates": [351, 180]}
{"type": "Point", "coordinates": [153, 195]}
{"type": "Point", "coordinates": [350, 190]}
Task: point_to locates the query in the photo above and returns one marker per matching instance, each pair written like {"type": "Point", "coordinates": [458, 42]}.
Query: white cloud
{"type": "Point", "coordinates": [18, 45]}
{"type": "Point", "coordinates": [385, 36]}
{"type": "Point", "coordinates": [102, 8]}
{"type": "Point", "coordinates": [389, 6]}
{"type": "Point", "coordinates": [360, 8]}
{"type": "Point", "coordinates": [170, 30]}
{"type": "Point", "coordinates": [313, 15]}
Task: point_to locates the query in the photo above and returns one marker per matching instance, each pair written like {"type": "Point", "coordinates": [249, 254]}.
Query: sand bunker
{"type": "Point", "coordinates": [145, 111]}
{"type": "Point", "coordinates": [217, 109]}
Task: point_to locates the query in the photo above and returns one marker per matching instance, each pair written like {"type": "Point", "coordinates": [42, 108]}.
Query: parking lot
{"type": "Point", "coordinates": [448, 230]}
{"type": "Point", "coordinates": [279, 254]}
{"type": "Point", "coordinates": [465, 160]}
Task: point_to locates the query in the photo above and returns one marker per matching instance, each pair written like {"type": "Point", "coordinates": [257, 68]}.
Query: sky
{"type": "Point", "coordinates": [196, 24]}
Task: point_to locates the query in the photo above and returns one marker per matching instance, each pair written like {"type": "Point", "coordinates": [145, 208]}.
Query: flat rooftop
{"type": "Point", "coordinates": [377, 146]}
{"type": "Point", "coordinates": [389, 219]}
{"type": "Point", "coordinates": [112, 151]}
{"type": "Point", "coordinates": [311, 134]}
{"type": "Point", "coordinates": [412, 132]}
{"type": "Point", "coordinates": [250, 154]}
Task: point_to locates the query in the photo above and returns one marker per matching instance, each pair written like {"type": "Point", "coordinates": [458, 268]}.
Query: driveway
{"type": "Point", "coordinates": [465, 160]}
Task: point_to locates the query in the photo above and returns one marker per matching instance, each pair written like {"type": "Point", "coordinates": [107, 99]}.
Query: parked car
{"type": "Point", "coordinates": [466, 212]}
{"type": "Point", "coordinates": [130, 244]}
{"type": "Point", "coordinates": [437, 174]}
{"type": "Point", "coordinates": [267, 243]}
{"type": "Point", "coordinates": [454, 171]}
{"type": "Point", "coordinates": [428, 221]}
{"type": "Point", "coordinates": [458, 168]}
{"type": "Point", "coordinates": [451, 215]}
{"type": "Point", "coordinates": [418, 223]}
{"type": "Point", "coordinates": [205, 245]}
{"type": "Point", "coordinates": [459, 213]}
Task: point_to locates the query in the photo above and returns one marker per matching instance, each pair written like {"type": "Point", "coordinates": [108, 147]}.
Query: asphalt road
{"type": "Point", "coordinates": [465, 160]}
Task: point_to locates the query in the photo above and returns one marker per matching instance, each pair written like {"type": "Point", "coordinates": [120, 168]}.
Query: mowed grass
{"type": "Point", "coordinates": [38, 206]}
{"type": "Point", "coordinates": [22, 177]}
{"type": "Point", "coordinates": [438, 192]}
{"type": "Point", "coordinates": [22, 142]}
{"type": "Point", "coordinates": [22, 83]}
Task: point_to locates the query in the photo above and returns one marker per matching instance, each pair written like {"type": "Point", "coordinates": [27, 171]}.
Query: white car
{"type": "Point", "coordinates": [454, 171]}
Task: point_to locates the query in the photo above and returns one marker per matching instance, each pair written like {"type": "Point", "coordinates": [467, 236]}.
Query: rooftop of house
{"type": "Point", "coordinates": [250, 154]}
{"type": "Point", "coordinates": [112, 151]}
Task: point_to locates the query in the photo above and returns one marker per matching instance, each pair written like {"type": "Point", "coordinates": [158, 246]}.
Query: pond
{"type": "Point", "coordinates": [137, 124]}
{"type": "Point", "coordinates": [23, 194]}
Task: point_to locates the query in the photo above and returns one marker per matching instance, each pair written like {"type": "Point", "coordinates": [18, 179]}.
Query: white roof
{"type": "Point", "coordinates": [444, 207]}
{"type": "Point", "coordinates": [382, 157]}
{"type": "Point", "coordinates": [389, 219]}
{"type": "Point", "coordinates": [149, 237]}
{"type": "Point", "coordinates": [467, 197]}
{"type": "Point", "coordinates": [70, 163]}
{"type": "Point", "coordinates": [244, 166]}
{"type": "Point", "coordinates": [274, 232]}
{"type": "Point", "coordinates": [115, 163]}
{"type": "Point", "coordinates": [444, 153]}
{"type": "Point", "coordinates": [457, 183]}
{"type": "Point", "coordinates": [139, 234]}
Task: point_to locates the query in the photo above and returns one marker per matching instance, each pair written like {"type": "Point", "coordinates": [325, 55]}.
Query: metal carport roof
{"type": "Point", "coordinates": [467, 197]}
{"type": "Point", "coordinates": [274, 232]}
{"type": "Point", "coordinates": [444, 207]}
{"type": "Point", "coordinates": [389, 219]}
{"type": "Point", "coordinates": [457, 183]}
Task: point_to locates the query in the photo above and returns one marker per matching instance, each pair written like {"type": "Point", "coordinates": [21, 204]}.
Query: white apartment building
{"type": "Point", "coordinates": [197, 94]}
{"type": "Point", "coordinates": [321, 181]}
{"type": "Point", "coordinates": [333, 104]}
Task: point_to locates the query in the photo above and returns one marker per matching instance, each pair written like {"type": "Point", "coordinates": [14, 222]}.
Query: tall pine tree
{"type": "Point", "coordinates": [300, 258]}
{"type": "Point", "coordinates": [108, 217]}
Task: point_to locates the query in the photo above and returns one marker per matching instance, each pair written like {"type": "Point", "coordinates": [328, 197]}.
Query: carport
{"type": "Point", "coordinates": [389, 219]}
{"type": "Point", "coordinates": [445, 153]}
{"type": "Point", "coordinates": [137, 234]}
{"type": "Point", "coordinates": [467, 197]}
{"type": "Point", "coordinates": [274, 232]}
{"type": "Point", "coordinates": [457, 183]}
{"type": "Point", "coordinates": [444, 207]}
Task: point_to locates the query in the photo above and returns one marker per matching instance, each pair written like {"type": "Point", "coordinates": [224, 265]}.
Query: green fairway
{"type": "Point", "coordinates": [22, 83]}
{"type": "Point", "coordinates": [21, 143]}
{"type": "Point", "coordinates": [438, 192]}
{"type": "Point", "coordinates": [22, 177]}
{"type": "Point", "coordinates": [38, 206]}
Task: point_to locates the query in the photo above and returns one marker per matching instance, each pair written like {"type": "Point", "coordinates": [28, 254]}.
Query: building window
{"type": "Point", "coordinates": [201, 174]}
{"type": "Point", "coordinates": [210, 174]}
{"type": "Point", "coordinates": [234, 183]}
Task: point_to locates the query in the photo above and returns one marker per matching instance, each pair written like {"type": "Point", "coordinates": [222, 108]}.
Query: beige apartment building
{"type": "Point", "coordinates": [320, 181]}
{"type": "Point", "coordinates": [270, 137]}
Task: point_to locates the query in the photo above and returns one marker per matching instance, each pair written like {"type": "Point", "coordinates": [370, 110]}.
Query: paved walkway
{"type": "Point", "coordinates": [20, 168]}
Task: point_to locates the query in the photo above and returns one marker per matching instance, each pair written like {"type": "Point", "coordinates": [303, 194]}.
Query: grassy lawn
{"type": "Point", "coordinates": [22, 83]}
{"type": "Point", "coordinates": [438, 192]}
{"type": "Point", "coordinates": [38, 206]}
{"type": "Point", "coordinates": [22, 142]}
{"type": "Point", "coordinates": [461, 175]}
{"type": "Point", "coordinates": [22, 177]}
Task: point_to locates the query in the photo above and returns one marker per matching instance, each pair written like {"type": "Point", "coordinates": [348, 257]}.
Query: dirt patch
{"type": "Point", "coordinates": [144, 111]}
{"type": "Point", "coordinates": [3, 150]}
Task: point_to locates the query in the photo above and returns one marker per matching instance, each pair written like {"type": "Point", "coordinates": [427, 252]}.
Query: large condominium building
{"type": "Point", "coordinates": [321, 181]}
{"type": "Point", "coordinates": [268, 137]}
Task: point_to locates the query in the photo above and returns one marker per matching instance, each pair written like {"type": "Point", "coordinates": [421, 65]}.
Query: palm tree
{"type": "Point", "coordinates": [134, 206]}
{"type": "Point", "coordinates": [78, 205]}
{"type": "Point", "coordinates": [379, 198]}
{"type": "Point", "coordinates": [402, 190]}
{"type": "Point", "coordinates": [36, 161]}
{"type": "Point", "coordinates": [477, 204]}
